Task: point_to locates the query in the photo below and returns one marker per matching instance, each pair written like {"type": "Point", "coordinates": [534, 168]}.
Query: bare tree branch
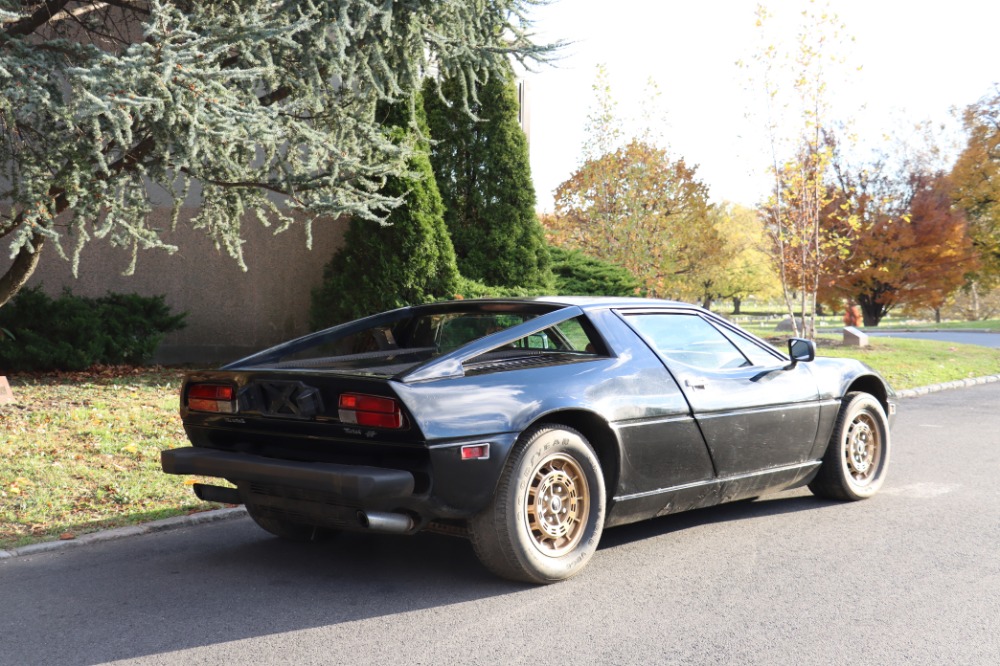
{"type": "Point", "coordinates": [40, 17]}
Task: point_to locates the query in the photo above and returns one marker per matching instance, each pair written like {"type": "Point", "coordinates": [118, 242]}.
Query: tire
{"type": "Point", "coordinates": [288, 530]}
{"type": "Point", "coordinates": [546, 517]}
{"type": "Point", "coordinates": [856, 459]}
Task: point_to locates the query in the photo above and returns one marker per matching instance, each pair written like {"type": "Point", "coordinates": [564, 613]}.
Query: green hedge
{"type": "Point", "coordinates": [75, 332]}
{"type": "Point", "coordinates": [380, 268]}
{"type": "Point", "coordinates": [578, 274]}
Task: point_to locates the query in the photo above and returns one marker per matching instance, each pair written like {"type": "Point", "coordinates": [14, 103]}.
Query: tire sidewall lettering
{"type": "Point", "coordinates": [540, 447]}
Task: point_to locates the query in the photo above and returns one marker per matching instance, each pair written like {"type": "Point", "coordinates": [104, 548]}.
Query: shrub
{"type": "Point", "coordinates": [469, 288]}
{"type": "Point", "coordinates": [380, 268]}
{"type": "Point", "coordinates": [484, 176]}
{"type": "Point", "coordinates": [74, 332]}
{"type": "Point", "coordinates": [580, 274]}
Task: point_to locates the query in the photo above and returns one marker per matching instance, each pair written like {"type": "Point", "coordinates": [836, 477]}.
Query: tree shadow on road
{"type": "Point", "coordinates": [221, 582]}
{"type": "Point", "coordinates": [230, 581]}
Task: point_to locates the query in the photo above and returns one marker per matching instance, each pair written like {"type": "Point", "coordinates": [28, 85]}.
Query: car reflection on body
{"type": "Point", "coordinates": [527, 426]}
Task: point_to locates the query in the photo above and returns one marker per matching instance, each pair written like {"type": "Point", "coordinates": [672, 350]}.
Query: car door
{"type": "Point", "coordinates": [754, 409]}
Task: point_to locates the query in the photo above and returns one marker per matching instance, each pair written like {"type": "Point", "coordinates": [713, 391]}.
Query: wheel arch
{"type": "Point", "coordinates": [873, 386]}
{"type": "Point", "coordinates": [601, 436]}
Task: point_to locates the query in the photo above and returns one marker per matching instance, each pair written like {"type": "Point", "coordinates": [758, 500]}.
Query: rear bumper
{"type": "Point", "coordinates": [354, 484]}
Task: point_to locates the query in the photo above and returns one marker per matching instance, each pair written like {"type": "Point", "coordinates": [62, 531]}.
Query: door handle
{"type": "Point", "coordinates": [699, 383]}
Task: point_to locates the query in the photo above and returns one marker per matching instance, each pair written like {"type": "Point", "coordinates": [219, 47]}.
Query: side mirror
{"type": "Point", "coordinates": [801, 350]}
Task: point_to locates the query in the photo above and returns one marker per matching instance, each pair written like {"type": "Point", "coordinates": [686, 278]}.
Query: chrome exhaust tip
{"type": "Point", "coordinates": [381, 521]}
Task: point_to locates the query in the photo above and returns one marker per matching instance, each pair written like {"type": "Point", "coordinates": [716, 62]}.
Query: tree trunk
{"type": "Point", "coordinates": [707, 302]}
{"type": "Point", "coordinates": [871, 312]}
{"type": "Point", "coordinates": [937, 315]}
{"type": "Point", "coordinates": [737, 302]}
{"type": "Point", "coordinates": [21, 269]}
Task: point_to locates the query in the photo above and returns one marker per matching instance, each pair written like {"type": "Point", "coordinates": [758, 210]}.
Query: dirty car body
{"type": "Point", "coordinates": [527, 425]}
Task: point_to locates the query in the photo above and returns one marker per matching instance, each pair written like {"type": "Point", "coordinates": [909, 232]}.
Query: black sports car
{"type": "Point", "coordinates": [528, 425]}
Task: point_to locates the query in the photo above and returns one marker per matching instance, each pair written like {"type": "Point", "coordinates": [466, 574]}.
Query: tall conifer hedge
{"type": "Point", "coordinates": [483, 174]}
{"type": "Point", "coordinates": [411, 261]}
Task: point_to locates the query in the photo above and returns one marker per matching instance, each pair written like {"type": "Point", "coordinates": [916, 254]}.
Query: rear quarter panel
{"type": "Point", "coordinates": [657, 443]}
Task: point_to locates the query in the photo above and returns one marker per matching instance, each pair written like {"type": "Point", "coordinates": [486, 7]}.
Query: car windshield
{"type": "Point", "coordinates": [392, 346]}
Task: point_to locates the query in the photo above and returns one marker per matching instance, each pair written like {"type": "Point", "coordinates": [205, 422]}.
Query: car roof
{"type": "Point", "coordinates": [600, 302]}
{"type": "Point", "coordinates": [582, 302]}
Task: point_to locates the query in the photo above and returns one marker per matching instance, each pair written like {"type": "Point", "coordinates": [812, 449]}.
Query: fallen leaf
{"type": "Point", "coordinates": [67, 536]}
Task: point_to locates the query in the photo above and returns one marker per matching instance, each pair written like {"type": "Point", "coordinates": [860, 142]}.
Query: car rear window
{"type": "Point", "coordinates": [393, 347]}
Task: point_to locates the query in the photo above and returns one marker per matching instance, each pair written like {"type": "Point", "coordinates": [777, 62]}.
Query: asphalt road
{"type": "Point", "coordinates": [983, 339]}
{"type": "Point", "coordinates": [911, 576]}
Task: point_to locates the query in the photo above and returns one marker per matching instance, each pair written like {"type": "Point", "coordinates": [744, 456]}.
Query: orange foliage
{"type": "Point", "coordinates": [914, 250]}
{"type": "Point", "coordinates": [637, 208]}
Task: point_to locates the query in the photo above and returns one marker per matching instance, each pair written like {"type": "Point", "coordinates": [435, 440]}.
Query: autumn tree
{"type": "Point", "coordinates": [480, 159]}
{"type": "Point", "coordinates": [976, 176]}
{"type": "Point", "coordinates": [799, 242]}
{"type": "Point", "coordinates": [256, 108]}
{"type": "Point", "coordinates": [795, 84]}
{"type": "Point", "coordinates": [634, 204]}
{"type": "Point", "coordinates": [408, 262]}
{"type": "Point", "coordinates": [742, 264]}
{"type": "Point", "coordinates": [638, 208]}
{"type": "Point", "coordinates": [903, 242]}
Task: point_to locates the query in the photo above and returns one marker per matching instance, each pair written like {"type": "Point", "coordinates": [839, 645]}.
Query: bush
{"type": "Point", "coordinates": [469, 288]}
{"type": "Point", "coordinates": [579, 274]}
{"type": "Point", "coordinates": [75, 332]}
{"type": "Point", "coordinates": [411, 261]}
{"type": "Point", "coordinates": [484, 177]}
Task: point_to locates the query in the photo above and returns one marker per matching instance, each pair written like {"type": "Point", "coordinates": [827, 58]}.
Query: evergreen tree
{"type": "Point", "coordinates": [263, 106]}
{"type": "Point", "coordinates": [411, 261]}
{"type": "Point", "coordinates": [482, 170]}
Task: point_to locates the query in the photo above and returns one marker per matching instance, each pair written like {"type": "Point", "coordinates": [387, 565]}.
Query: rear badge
{"type": "Point", "coordinates": [293, 400]}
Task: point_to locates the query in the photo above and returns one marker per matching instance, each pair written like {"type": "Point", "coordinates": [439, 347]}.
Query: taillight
{"type": "Point", "coordinates": [370, 410]}
{"type": "Point", "coordinates": [219, 398]}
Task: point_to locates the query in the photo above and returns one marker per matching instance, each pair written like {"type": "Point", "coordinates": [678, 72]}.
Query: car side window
{"type": "Point", "coordinates": [688, 339]}
{"type": "Point", "coordinates": [569, 335]}
{"type": "Point", "coordinates": [752, 351]}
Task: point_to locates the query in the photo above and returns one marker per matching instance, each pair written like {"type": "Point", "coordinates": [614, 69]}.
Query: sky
{"type": "Point", "coordinates": [918, 61]}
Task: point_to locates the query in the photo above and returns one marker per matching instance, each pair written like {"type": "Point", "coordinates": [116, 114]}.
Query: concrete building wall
{"type": "Point", "coordinates": [231, 313]}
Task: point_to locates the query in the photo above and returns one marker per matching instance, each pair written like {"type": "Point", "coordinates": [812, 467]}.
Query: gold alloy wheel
{"type": "Point", "coordinates": [864, 449]}
{"type": "Point", "coordinates": [557, 505]}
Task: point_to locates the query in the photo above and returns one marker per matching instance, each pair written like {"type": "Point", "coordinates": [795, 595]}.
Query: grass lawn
{"type": "Point", "coordinates": [80, 452]}
{"type": "Point", "coordinates": [909, 363]}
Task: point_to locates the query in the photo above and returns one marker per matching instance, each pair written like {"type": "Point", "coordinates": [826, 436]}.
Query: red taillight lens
{"type": "Point", "coordinates": [370, 410]}
{"type": "Point", "coordinates": [475, 452]}
{"type": "Point", "coordinates": [220, 398]}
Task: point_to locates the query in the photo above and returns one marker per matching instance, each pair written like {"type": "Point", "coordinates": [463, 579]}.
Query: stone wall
{"type": "Point", "coordinates": [231, 313]}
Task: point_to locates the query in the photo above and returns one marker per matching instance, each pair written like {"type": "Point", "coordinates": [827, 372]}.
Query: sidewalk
{"type": "Point", "coordinates": [238, 512]}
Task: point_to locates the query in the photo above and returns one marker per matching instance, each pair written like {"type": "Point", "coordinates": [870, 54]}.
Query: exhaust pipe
{"type": "Point", "coordinates": [220, 494]}
{"type": "Point", "coordinates": [380, 521]}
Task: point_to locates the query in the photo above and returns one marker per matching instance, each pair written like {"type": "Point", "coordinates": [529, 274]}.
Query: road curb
{"type": "Point", "coordinates": [958, 383]}
{"type": "Point", "coordinates": [163, 525]}
{"type": "Point", "coordinates": [238, 512]}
